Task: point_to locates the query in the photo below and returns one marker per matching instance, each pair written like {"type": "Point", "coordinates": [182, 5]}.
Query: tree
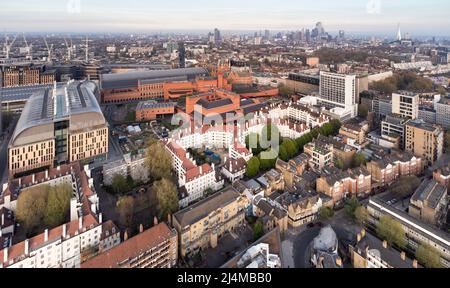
{"type": "Point", "coordinates": [252, 141]}
{"type": "Point", "coordinates": [428, 256]}
{"type": "Point", "coordinates": [253, 167]}
{"type": "Point", "coordinates": [159, 161]}
{"type": "Point", "coordinates": [361, 215]}
{"type": "Point", "coordinates": [326, 213]}
{"type": "Point", "coordinates": [302, 141]}
{"type": "Point", "coordinates": [58, 205]}
{"type": "Point", "coordinates": [447, 141]}
{"type": "Point", "coordinates": [125, 208]}
{"type": "Point", "coordinates": [291, 148]}
{"type": "Point", "coordinates": [339, 164]}
{"type": "Point", "coordinates": [351, 206]}
{"type": "Point", "coordinates": [258, 230]}
{"type": "Point", "coordinates": [285, 91]}
{"type": "Point", "coordinates": [31, 206]}
{"type": "Point", "coordinates": [358, 160]}
{"type": "Point", "coordinates": [363, 111]}
{"type": "Point", "coordinates": [336, 124]}
{"type": "Point", "coordinates": [119, 184]}
{"type": "Point", "coordinates": [167, 197]}
{"type": "Point", "coordinates": [268, 159]}
{"type": "Point", "coordinates": [392, 231]}
{"type": "Point", "coordinates": [284, 154]}
{"type": "Point", "coordinates": [405, 186]}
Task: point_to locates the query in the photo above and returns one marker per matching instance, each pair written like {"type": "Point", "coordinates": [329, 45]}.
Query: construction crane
{"type": "Point", "coordinates": [9, 45]}
{"type": "Point", "coordinates": [49, 49]}
{"type": "Point", "coordinates": [29, 47]}
{"type": "Point", "coordinates": [69, 49]}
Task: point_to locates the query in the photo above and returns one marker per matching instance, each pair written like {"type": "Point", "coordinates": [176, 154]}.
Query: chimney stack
{"type": "Point", "coordinates": [403, 255]}
{"type": "Point", "coordinates": [385, 244]}
{"type": "Point", "coordinates": [80, 222]}
{"type": "Point", "coordinates": [100, 218]}
{"type": "Point", "coordinates": [27, 247]}
{"type": "Point", "coordinates": [46, 174]}
{"type": "Point", "coordinates": [125, 236]}
{"type": "Point", "coordinates": [33, 178]}
{"type": "Point", "coordinates": [64, 232]}
{"type": "Point", "coordinates": [415, 264]}
{"type": "Point", "coordinates": [3, 219]}
{"type": "Point", "coordinates": [141, 228]}
{"type": "Point", "coordinates": [46, 235]}
{"type": "Point", "coordinates": [358, 238]}
{"type": "Point", "coordinates": [155, 221]}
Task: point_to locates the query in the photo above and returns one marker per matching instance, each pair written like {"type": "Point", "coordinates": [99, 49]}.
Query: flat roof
{"type": "Point", "coordinates": [131, 79]}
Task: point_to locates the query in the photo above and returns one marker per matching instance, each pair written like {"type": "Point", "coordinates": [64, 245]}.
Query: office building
{"type": "Point", "coordinates": [443, 112]}
{"type": "Point", "coordinates": [424, 140]}
{"type": "Point", "coordinates": [58, 126]}
{"type": "Point", "coordinates": [151, 110]}
{"type": "Point", "coordinates": [393, 127]}
{"type": "Point", "coordinates": [339, 90]}
{"type": "Point", "coordinates": [405, 104]}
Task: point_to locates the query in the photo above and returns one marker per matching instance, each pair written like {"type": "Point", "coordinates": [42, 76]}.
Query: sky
{"type": "Point", "coordinates": [418, 17]}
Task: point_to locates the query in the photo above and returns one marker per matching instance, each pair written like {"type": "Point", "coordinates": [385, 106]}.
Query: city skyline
{"type": "Point", "coordinates": [370, 17]}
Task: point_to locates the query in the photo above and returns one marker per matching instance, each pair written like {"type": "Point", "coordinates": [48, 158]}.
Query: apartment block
{"type": "Point", "coordinates": [405, 104]}
{"type": "Point", "coordinates": [156, 247]}
{"type": "Point", "coordinates": [424, 140]}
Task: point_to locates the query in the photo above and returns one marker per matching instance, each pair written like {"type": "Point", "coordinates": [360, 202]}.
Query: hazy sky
{"type": "Point", "coordinates": [419, 17]}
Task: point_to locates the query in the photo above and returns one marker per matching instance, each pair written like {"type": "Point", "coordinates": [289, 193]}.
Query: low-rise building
{"type": "Point", "coordinates": [416, 231]}
{"type": "Point", "coordinates": [321, 155]}
{"type": "Point", "coordinates": [344, 184]}
{"type": "Point", "coordinates": [151, 110]}
{"type": "Point", "coordinates": [390, 167]}
{"type": "Point", "coordinates": [204, 223]}
{"type": "Point", "coordinates": [302, 207]}
{"type": "Point", "coordinates": [133, 166]}
{"type": "Point", "coordinates": [371, 252]}
{"type": "Point", "coordinates": [156, 247]}
{"type": "Point", "coordinates": [65, 246]}
{"type": "Point", "coordinates": [271, 214]}
{"type": "Point", "coordinates": [234, 170]}
{"type": "Point", "coordinates": [429, 202]}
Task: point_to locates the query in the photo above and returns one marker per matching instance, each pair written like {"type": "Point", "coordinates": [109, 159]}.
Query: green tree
{"type": "Point", "coordinates": [252, 141]}
{"type": "Point", "coordinates": [159, 161]}
{"type": "Point", "coordinates": [31, 206]}
{"type": "Point", "coordinates": [302, 141]}
{"type": "Point", "coordinates": [350, 207]}
{"type": "Point", "coordinates": [285, 91]}
{"type": "Point", "coordinates": [119, 184]}
{"type": "Point", "coordinates": [339, 164]}
{"type": "Point", "coordinates": [405, 186]}
{"type": "Point", "coordinates": [447, 141]}
{"type": "Point", "coordinates": [167, 197]}
{"type": "Point", "coordinates": [268, 159]}
{"type": "Point", "coordinates": [326, 213]}
{"type": "Point", "coordinates": [392, 231]}
{"type": "Point", "coordinates": [358, 160]}
{"type": "Point", "coordinates": [284, 154]}
{"type": "Point", "coordinates": [258, 230]}
{"type": "Point", "coordinates": [125, 208]}
{"type": "Point", "coordinates": [58, 205]}
{"type": "Point", "coordinates": [253, 167]}
{"type": "Point", "coordinates": [428, 256]}
{"type": "Point", "coordinates": [291, 147]}
{"type": "Point", "coordinates": [361, 215]}
{"type": "Point", "coordinates": [336, 124]}
{"type": "Point", "coordinates": [363, 111]}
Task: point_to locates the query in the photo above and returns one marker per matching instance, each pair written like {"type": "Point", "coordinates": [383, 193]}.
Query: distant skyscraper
{"type": "Point", "coordinates": [308, 35]}
{"type": "Point", "coordinates": [320, 29]}
{"type": "Point", "coordinates": [399, 33]}
{"type": "Point", "coordinates": [267, 34]}
{"type": "Point", "coordinates": [182, 54]}
{"type": "Point", "coordinates": [217, 36]}
{"type": "Point", "coordinates": [341, 34]}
